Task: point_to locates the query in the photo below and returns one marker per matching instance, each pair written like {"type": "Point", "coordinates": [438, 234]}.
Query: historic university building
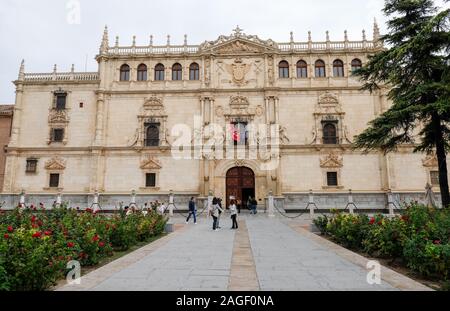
{"type": "Point", "coordinates": [119, 129]}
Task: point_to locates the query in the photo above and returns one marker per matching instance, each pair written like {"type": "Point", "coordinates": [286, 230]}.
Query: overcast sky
{"type": "Point", "coordinates": [48, 32]}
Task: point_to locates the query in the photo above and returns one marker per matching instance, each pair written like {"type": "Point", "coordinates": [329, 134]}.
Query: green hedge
{"type": "Point", "coordinates": [420, 237]}
{"type": "Point", "coordinates": [36, 245]}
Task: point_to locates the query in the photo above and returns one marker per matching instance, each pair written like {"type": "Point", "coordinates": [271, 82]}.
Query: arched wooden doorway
{"type": "Point", "coordinates": [240, 183]}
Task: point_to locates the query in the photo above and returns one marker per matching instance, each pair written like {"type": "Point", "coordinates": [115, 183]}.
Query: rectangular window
{"type": "Point", "coordinates": [61, 101]}
{"type": "Point", "coordinates": [57, 135]}
{"type": "Point", "coordinates": [54, 181]}
{"type": "Point", "coordinates": [434, 177]}
{"type": "Point", "coordinates": [150, 180]}
{"type": "Point", "coordinates": [31, 166]}
{"type": "Point", "coordinates": [332, 179]}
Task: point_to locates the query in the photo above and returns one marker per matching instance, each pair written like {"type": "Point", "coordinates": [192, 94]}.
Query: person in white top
{"type": "Point", "coordinates": [161, 209]}
{"type": "Point", "coordinates": [215, 213]}
{"type": "Point", "coordinates": [233, 210]}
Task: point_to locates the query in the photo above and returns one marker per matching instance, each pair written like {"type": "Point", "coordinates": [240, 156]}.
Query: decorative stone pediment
{"type": "Point", "coordinates": [332, 160]}
{"type": "Point", "coordinates": [239, 109]}
{"type": "Point", "coordinates": [328, 99]}
{"type": "Point", "coordinates": [151, 163]}
{"type": "Point", "coordinates": [58, 116]}
{"type": "Point", "coordinates": [328, 104]}
{"type": "Point", "coordinates": [56, 164]}
{"type": "Point", "coordinates": [430, 161]}
{"type": "Point", "coordinates": [238, 46]}
{"type": "Point", "coordinates": [153, 106]}
{"type": "Point", "coordinates": [238, 42]}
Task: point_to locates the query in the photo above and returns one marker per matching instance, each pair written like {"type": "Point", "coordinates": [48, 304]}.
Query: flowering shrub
{"type": "Point", "coordinates": [35, 246]}
{"type": "Point", "coordinates": [420, 237]}
{"type": "Point", "coordinates": [348, 229]}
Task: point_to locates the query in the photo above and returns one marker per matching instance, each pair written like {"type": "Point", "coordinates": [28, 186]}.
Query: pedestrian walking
{"type": "Point", "coordinates": [192, 211]}
{"type": "Point", "coordinates": [233, 210]}
{"type": "Point", "coordinates": [254, 206]}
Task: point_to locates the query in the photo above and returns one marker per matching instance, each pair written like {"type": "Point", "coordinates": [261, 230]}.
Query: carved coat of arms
{"type": "Point", "coordinates": [238, 70]}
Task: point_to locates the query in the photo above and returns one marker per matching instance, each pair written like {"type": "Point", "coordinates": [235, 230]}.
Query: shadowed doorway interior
{"type": "Point", "coordinates": [240, 183]}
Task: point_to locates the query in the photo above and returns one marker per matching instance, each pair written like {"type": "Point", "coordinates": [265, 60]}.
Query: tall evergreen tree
{"type": "Point", "coordinates": [415, 67]}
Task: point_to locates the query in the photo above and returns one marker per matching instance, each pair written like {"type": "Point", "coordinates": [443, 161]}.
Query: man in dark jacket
{"type": "Point", "coordinates": [192, 211]}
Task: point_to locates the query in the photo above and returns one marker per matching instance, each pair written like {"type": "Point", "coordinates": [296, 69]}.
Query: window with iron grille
{"type": "Point", "coordinates": [152, 135]}
{"type": "Point", "coordinates": [54, 181]}
{"type": "Point", "coordinates": [57, 135]}
{"type": "Point", "coordinates": [332, 179]}
{"type": "Point", "coordinates": [61, 101]}
{"type": "Point", "coordinates": [31, 166]}
{"type": "Point", "coordinates": [434, 178]}
{"type": "Point", "coordinates": [330, 134]}
{"type": "Point", "coordinates": [150, 180]}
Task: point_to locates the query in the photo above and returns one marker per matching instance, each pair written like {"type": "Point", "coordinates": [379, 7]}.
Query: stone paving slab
{"type": "Point", "coordinates": [392, 277]}
{"type": "Point", "coordinates": [243, 275]}
{"type": "Point", "coordinates": [271, 254]}
{"type": "Point", "coordinates": [198, 259]}
{"type": "Point", "coordinates": [305, 264]}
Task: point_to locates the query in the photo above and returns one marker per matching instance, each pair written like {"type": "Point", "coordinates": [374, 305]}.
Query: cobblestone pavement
{"type": "Point", "coordinates": [264, 254]}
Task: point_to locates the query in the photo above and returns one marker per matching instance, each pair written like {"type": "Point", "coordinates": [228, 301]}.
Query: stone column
{"type": "Point", "coordinates": [171, 203]}
{"type": "Point", "coordinates": [271, 203]}
{"type": "Point", "coordinates": [99, 120]}
{"type": "Point", "coordinates": [211, 110]}
{"type": "Point", "coordinates": [277, 110]}
{"type": "Point", "coordinates": [15, 127]}
{"type": "Point", "coordinates": [266, 101]}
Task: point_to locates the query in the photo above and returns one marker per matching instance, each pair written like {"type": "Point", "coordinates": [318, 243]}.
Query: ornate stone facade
{"type": "Point", "coordinates": [118, 123]}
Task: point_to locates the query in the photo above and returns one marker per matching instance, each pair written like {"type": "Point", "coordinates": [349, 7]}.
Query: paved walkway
{"type": "Point", "coordinates": [264, 254]}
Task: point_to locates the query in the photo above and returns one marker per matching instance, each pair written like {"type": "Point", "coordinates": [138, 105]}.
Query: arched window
{"type": "Point", "coordinates": [159, 72]}
{"type": "Point", "coordinates": [152, 135]}
{"type": "Point", "coordinates": [142, 72]}
{"type": "Point", "coordinates": [194, 72]}
{"type": "Point", "coordinates": [356, 64]}
{"type": "Point", "coordinates": [338, 68]}
{"type": "Point", "coordinates": [283, 68]}
{"type": "Point", "coordinates": [125, 73]}
{"type": "Point", "coordinates": [302, 69]}
{"type": "Point", "coordinates": [177, 72]}
{"type": "Point", "coordinates": [329, 134]}
{"type": "Point", "coordinates": [320, 69]}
